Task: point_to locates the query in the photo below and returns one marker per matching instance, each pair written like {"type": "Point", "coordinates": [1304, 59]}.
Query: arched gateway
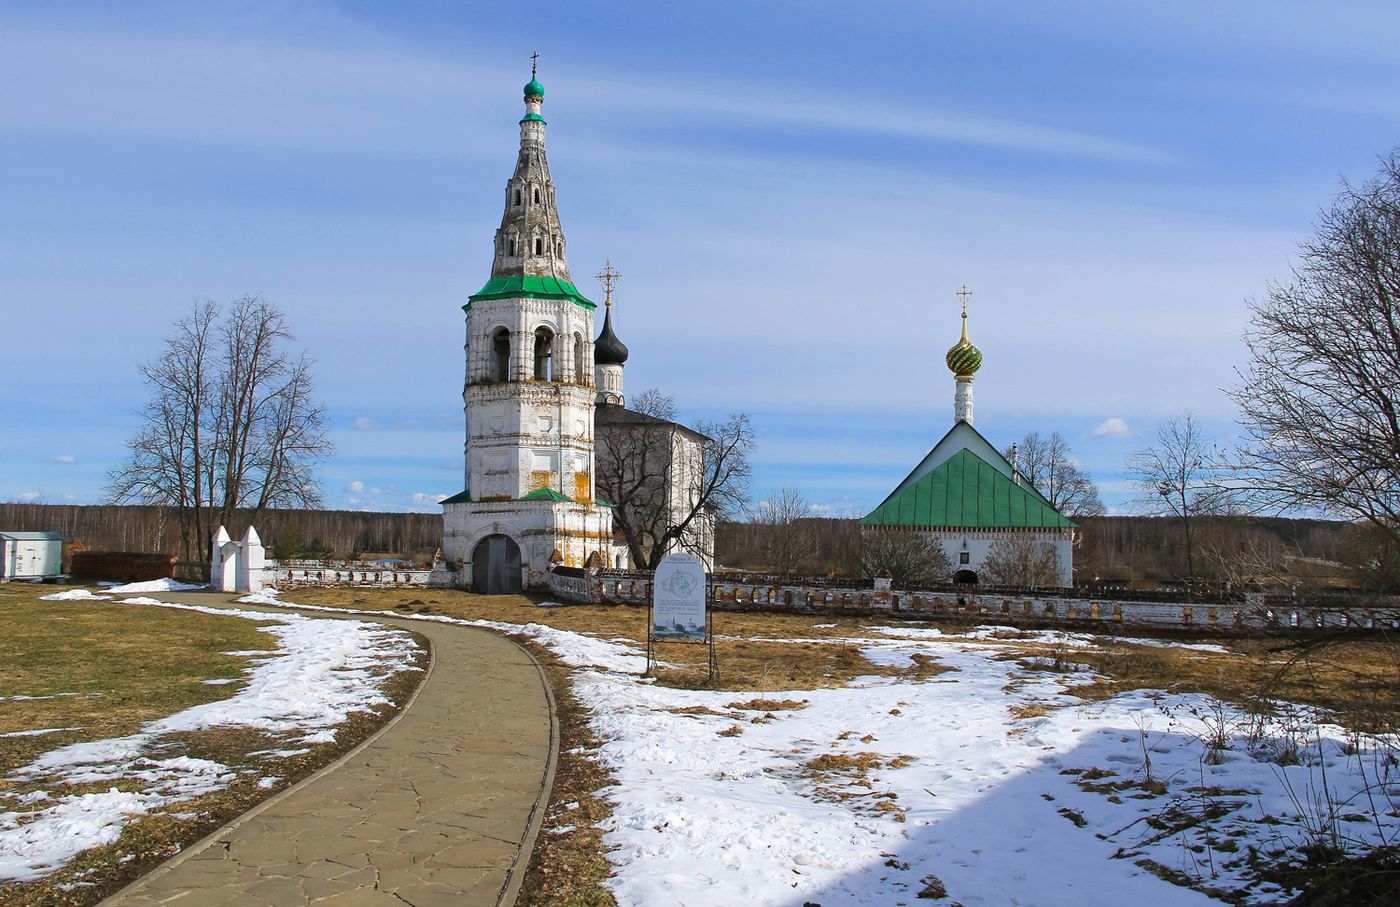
{"type": "Point", "coordinates": [496, 566]}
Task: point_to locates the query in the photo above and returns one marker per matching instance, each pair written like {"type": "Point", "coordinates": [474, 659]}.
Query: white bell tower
{"type": "Point", "coordinates": [529, 397]}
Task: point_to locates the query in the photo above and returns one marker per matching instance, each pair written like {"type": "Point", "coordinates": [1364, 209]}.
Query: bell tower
{"type": "Point", "coordinates": [528, 395]}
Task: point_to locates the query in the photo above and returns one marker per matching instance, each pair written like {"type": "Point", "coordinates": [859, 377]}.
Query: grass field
{"type": "Point", "coordinates": [85, 671]}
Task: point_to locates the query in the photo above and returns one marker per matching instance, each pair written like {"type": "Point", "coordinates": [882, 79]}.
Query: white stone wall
{"type": "Point", "coordinates": [538, 528]}
{"type": "Point", "coordinates": [978, 545]}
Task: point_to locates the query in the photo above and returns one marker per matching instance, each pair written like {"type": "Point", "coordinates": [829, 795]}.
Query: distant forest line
{"type": "Point", "coordinates": [1138, 549]}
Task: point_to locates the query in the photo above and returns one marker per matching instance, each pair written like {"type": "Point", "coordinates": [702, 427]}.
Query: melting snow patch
{"type": "Point", "coordinates": [74, 595]}
{"type": "Point", "coordinates": [324, 670]}
{"type": "Point", "coordinates": [155, 585]}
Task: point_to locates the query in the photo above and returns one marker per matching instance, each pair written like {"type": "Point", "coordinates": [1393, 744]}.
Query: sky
{"type": "Point", "coordinates": [793, 193]}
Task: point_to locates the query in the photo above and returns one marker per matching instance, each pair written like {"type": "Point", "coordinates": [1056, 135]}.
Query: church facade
{"type": "Point", "coordinates": [542, 398]}
{"type": "Point", "coordinates": [969, 498]}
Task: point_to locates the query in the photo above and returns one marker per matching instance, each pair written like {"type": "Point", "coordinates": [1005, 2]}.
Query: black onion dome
{"type": "Point", "coordinates": [607, 349]}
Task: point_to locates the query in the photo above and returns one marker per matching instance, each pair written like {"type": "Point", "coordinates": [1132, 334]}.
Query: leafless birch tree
{"type": "Point", "coordinates": [1180, 476]}
{"type": "Point", "coordinates": [1321, 395]}
{"type": "Point", "coordinates": [789, 539]}
{"type": "Point", "coordinates": [1046, 463]}
{"type": "Point", "coordinates": [230, 423]}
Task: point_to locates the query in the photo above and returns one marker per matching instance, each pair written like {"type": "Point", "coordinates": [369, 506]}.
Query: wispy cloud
{"type": "Point", "coordinates": [62, 459]}
{"type": "Point", "coordinates": [364, 423]}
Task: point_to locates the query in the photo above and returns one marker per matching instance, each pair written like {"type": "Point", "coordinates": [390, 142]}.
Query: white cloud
{"type": "Point", "coordinates": [355, 487]}
{"type": "Point", "coordinates": [421, 498]}
{"type": "Point", "coordinates": [62, 459]}
{"type": "Point", "coordinates": [1112, 428]}
{"type": "Point", "coordinates": [364, 424]}
{"type": "Point", "coordinates": [31, 495]}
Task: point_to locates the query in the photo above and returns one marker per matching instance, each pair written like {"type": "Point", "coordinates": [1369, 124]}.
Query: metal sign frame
{"type": "Point", "coordinates": [708, 641]}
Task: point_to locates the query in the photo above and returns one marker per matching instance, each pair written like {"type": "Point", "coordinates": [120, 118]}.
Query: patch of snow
{"type": "Point", "coordinates": [219, 682]}
{"type": "Point", "coordinates": [268, 782]}
{"type": "Point", "coordinates": [324, 670]}
{"type": "Point", "coordinates": [74, 595]}
{"type": "Point", "coordinates": [156, 585]}
{"type": "Point", "coordinates": [49, 730]}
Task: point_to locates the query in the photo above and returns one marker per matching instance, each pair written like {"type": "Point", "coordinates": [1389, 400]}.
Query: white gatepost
{"type": "Point", "coordinates": [251, 562]}
{"type": "Point", "coordinates": [223, 564]}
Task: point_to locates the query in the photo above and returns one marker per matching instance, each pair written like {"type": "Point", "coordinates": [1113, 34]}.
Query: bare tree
{"type": "Point", "coordinates": [1046, 463]}
{"type": "Point", "coordinates": [1021, 560]}
{"type": "Point", "coordinates": [908, 557]}
{"type": "Point", "coordinates": [1180, 475]}
{"type": "Point", "coordinates": [790, 537]}
{"type": "Point", "coordinates": [668, 483]}
{"type": "Point", "coordinates": [230, 423]}
{"type": "Point", "coordinates": [1320, 395]}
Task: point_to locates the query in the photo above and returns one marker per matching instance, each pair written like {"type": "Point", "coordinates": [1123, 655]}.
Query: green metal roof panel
{"type": "Point", "coordinates": [966, 490]}
{"type": "Point", "coordinates": [531, 287]}
{"type": "Point", "coordinates": [461, 497]}
{"type": "Point", "coordinates": [546, 494]}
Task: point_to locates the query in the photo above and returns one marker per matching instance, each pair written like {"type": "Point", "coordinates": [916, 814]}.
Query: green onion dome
{"type": "Point", "coordinates": [534, 89]}
{"type": "Point", "coordinates": [964, 359]}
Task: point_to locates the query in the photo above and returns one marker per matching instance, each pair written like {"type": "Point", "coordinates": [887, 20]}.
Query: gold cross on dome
{"type": "Point", "coordinates": [964, 293]}
{"type": "Point", "coordinates": [609, 279]}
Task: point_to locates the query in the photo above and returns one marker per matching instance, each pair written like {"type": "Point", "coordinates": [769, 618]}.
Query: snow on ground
{"type": "Point", "coordinates": [987, 782]}
{"type": "Point", "coordinates": [155, 585]}
{"type": "Point", "coordinates": [321, 671]}
{"type": "Point", "coordinates": [75, 595]}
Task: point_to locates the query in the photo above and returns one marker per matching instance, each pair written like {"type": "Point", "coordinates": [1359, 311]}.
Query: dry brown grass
{"type": "Point", "coordinates": [145, 662]}
{"type": "Point", "coordinates": [1355, 678]}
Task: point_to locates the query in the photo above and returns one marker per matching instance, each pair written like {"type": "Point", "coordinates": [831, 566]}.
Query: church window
{"type": "Point", "coordinates": [544, 354]}
{"type": "Point", "coordinates": [517, 198]}
{"type": "Point", "coordinates": [500, 355]}
{"type": "Point", "coordinates": [964, 557]}
{"type": "Point", "coordinates": [539, 246]}
{"type": "Point", "coordinates": [537, 195]}
{"type": "Point", "coordinates": [579, 376]}
{"type": "Point", "coordinates": [512, 244]}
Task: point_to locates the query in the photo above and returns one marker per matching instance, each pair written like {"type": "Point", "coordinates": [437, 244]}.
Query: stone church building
{"type": "Point", "coordinates": [967, 496]}
{"type": "Point", "coordinates": [536, 380]}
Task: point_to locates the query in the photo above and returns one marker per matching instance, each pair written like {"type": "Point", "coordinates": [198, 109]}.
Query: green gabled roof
{"type": "Point", "coordinates": [531, 287]}
{"type": "Point", "coordinates": [966, 490]}
{"type": "Point", "coordinates": [546, 494]}
{"type": "Point", "coordinates": [461, 497]}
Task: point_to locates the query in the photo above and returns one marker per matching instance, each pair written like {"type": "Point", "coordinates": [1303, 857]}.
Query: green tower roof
{"type": "Point", "coordinates": [535, 89]}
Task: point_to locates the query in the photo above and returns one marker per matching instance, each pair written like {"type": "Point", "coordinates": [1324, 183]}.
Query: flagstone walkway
{"type": "Point", "coordinates": [441, 808]}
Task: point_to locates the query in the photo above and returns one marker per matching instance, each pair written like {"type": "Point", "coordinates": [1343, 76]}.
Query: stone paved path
{"type": "Point", "coordinates": [441, 809]}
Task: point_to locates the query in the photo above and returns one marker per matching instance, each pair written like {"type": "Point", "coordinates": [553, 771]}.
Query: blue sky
{"type": "Point", "coordinates": [793, 193]}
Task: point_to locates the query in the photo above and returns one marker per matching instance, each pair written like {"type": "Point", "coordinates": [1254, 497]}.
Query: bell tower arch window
{"type": "Point", "coordinates": [537, 195]}
{"type": "Point", "coordinates": [579, 376]}
{"type": "Point", "coordinates": [500, 354]}
{"type": "Point", "coordinates": [544, 354]}
{"type": "Point", "coordinates": [539, 246]}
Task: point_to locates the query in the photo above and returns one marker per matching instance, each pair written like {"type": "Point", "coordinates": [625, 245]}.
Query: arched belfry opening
{"type": "Point", "coordinates": [966, 577]}
{"type": "Point", "coordinates": [496, 566]}
{"type": "Point", "coordinates": [500, 355]}
{"type": "Point", "coordinates": [544, 354]}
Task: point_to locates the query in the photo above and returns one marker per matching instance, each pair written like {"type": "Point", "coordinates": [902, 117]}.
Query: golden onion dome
{"type": "Point", "coordinates": [964, 359]}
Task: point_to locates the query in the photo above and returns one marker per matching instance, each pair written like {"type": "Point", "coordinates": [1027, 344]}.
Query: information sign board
{"type": "Point", "coordinates": [678, 598]}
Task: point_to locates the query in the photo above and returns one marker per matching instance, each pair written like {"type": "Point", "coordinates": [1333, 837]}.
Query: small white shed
{"type": "Point", "coordinates": [30, 555]}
